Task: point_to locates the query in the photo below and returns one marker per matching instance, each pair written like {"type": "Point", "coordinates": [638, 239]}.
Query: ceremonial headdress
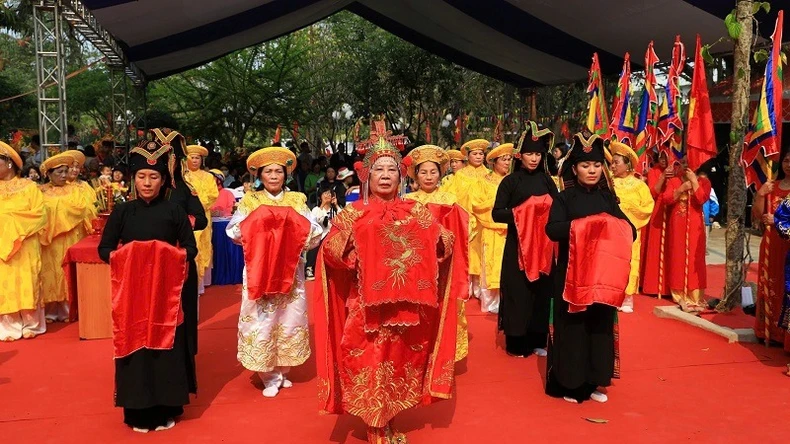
{"type": "Point", "coordinates": [197, 149]}
{"type": "Point", "coordinates": [534, 140]}
{"type": "Point", "coordinates": [381, 144]}
{"type": "Point", "coordinates": [584, 149]}
{"type": "Point", "coordinates": [56, 161]}
{"type": "Point", "coordinates": [153, 155]}
{"type": "Point", "coordinates": [474, 145]}
{"type": "Point", "coordinates": [273, 155]}
{"type": "Point", "coordinates": [502, 150]}
{"type": "Point", "coordinates": [426, 153]}
{"type": "Point", "coordinates": [8, 151]}
{"type": "Point", "coordinates": [619, 148]}
{"type": "Point", "coordinates": [455, 155]}
{"type": "Point", "coordinates": [78, 156]}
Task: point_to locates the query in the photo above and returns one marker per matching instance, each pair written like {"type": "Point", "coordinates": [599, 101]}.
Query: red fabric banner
{"type": "Point", "coordinates": [599, 262]}
{"type": "Point", "coordinates": [700, 140]}
{"type": "Point", "coordinates": [273, 239]}
{"type": "Point", "coordinates": [536, 252]}
{"type": "Point", "coordinates": [147, 280]}
{"type": "Point", "coordinates": [455, 219]}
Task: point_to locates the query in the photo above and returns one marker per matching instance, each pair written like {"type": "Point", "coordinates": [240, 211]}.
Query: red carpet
{"type": "Point", "coordinates": [679, 384]}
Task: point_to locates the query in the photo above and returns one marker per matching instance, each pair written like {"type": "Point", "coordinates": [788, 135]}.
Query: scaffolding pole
{"type": "Point", "coordinates": [120, 111]}
{"type": "Point", "coordinates": [50, 76]}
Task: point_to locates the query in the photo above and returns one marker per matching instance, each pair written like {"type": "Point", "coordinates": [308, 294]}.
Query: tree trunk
{"type": "Point", "coordinates": [736, 188]}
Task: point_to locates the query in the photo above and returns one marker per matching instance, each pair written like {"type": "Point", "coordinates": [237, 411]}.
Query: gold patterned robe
{"type": "Point", "coordinates": [273, 331]}
{"type": "Point", "coordinates": [68, 207]}
{"type": "Point", "coordinates": [492, 234]}
{"type": "Point", "coordinates": [463, 183]}
{"type": "Point", "coordinates": [206, 187]}
{"type": "Point", "coordinates": [90, 196]}
{"type": "Point", "coordinates": [637, 203]}
{"type": "Point", "coordinates": [22, 217]}
{"type": "Point", "coordinates": [462, 333]}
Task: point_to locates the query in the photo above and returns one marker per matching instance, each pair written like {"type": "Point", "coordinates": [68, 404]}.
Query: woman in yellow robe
{"type": "Point", "coordinates": [205, 186]}
{"type": "Point", "coordinates": [22, 217]}
{"type": "Point", "coordinates": [492, 234]}
{"type": "Point", "coordinates": [463, 184]}
{"type": "Point", "coordinates": [68, 206]}
{"type": "Point", "coordinates": [85, 187]}
{"type": "Point", "coordinates": [636, 202]}
{"type": "Point", "coordinates": [426, 165]}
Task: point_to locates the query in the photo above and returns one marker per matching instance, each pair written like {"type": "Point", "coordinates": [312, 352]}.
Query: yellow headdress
{"type": "Point", "coordinates": [57, 161]}
{"type": "Point", "coordinates": [622, 150]}
{"type": "Point", "coordinates": [197, 149]}
{"type": "Point", "coordinates": [474, 145]}
{"type": "Point", "coordinates": [502, 150]}
{"type": "Point", "coordinates": [272, 155]}
{"type": "Point", "coordinates": [455, 155]}
{"type": "Point", "coordinates": [425, 153]}
{"type": "Point", "coordinates": [77, 155]}
{"type": "Point", "coordinates": [8, 151]}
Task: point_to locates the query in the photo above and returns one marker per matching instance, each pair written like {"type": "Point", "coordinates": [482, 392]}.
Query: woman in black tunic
{"type": "Point", "coordinates": [582, 345]}
{"type": "Point", "coordinates": [182, 195]}
{"type": "Point", "coordinates": [524, 307]}
{"type": "Point", "coordinates": [152, 386]}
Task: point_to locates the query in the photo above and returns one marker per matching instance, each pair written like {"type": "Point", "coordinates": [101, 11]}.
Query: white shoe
{"type": "Point", "coordinates": [599, 397]}
{"type": "Point", "coordinates": [286, 383]}
{"type": "Point", "coordinates": [571, 400]}
{"type": "Point", "coordinates": [627, 309]}
{"type": "Point", "coordinates": [540, 352]}
{"type": "Point", "coordinates": [140, 430]}
{"type": "Point", "coordinates": [170, 424]}
{"type": "Point", "coordinates": [271, 392]}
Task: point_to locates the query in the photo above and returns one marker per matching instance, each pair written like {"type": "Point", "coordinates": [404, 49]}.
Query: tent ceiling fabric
{"type": "Point", "coordinates": [523, 42]}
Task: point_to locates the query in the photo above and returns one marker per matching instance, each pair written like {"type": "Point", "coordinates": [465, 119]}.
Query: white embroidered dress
{"type": "Point", "coordinates": [273, 332]}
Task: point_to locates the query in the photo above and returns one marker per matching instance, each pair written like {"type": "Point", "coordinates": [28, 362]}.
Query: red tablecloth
{"type": "Point", "coordinates": [84, 251]}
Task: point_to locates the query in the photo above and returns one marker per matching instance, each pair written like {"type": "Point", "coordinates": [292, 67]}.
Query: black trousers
{"type": "Point", "coordinates": [151, 417]}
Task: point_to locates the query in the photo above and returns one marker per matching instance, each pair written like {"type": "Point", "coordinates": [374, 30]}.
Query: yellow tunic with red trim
{"type": "Point", "coordinates": [67, 208]}
{"type": "Point", "coordinates": [206, 188]}
{"type": "Point", "coordinates": [462, 334]}
{"type": "Point", "coordinates": [22, 217]}
{"type": "Point", "coordinates": [637, 203]}
{"type": "Point", "coordinates": [463, 183]}
{"type": "Point", "coordinates": [492, 234]}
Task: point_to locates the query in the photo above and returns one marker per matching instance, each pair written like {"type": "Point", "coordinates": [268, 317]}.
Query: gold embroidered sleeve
{"type": "Point", "coordinates": [445, 246]}
{"type": "Point", "coordinates": [338, 247]}
{"type": "Point", "coordinates": [422, 214]}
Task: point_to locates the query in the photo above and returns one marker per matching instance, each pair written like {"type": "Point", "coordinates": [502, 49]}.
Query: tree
{"type": "Point", "coordinates": [736, 192]}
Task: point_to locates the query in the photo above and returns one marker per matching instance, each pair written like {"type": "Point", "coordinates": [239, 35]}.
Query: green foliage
{"type": "Point", "coordinates": [733, 27]}
{"type": "Point", "coordinates": [765, 6]}
{"type": "Point", "coordinates": [760, 55]}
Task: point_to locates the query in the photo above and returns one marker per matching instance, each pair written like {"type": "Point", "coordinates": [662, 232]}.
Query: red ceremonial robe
{"type": "Point", "coordinates": [147, 278]}
{"type": "Point", "coordinates": [456, 220]}
{"type": "Point", "coordinates": [273, 239]}
{"type": "Point", "coordinates": [685, 247]}
{"type": "Point", "coordinates": [599, 261]}
{"type": "Point", "coordinates": [375, 374]}
{"type": "Point", "coordinates": [536, 252]}
{"type": "Point", "coordinates": [654, 257]}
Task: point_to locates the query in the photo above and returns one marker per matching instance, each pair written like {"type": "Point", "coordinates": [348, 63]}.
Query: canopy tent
{"type": "Point", "coordinates": [523, 42]}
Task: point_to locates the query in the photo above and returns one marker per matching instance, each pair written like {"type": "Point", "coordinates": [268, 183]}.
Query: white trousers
{"type": "Point", "coordinates": [57, 311]}
{"type": "Point", "coordinates": [275, 377]}
{"type": "Point", "coordinates": [14, 325]}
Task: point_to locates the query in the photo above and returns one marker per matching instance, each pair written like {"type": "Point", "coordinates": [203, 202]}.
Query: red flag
{"type": "Point", "coordinates": [428, 132]}
{"type": "Point", "coordinates": [277, 135]}
{"type": "Point", "coordinates": [295, 132]}
{"type": "Point", "coordinates": [622, 124]}
{"type": "Point", "coordinates": [700, 140]}
{"type": "Point", "coordinates": [457, 135]}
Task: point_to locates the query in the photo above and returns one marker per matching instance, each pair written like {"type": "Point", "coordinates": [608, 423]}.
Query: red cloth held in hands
{"type": "Point", "coordinates": [536, 252]}
{"type": "Point", "coordinates": [147, 279]}
{"type": "Point", "coordinates": [599, 262]}
{"type": "Point", "coordinates": [273, 239]}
